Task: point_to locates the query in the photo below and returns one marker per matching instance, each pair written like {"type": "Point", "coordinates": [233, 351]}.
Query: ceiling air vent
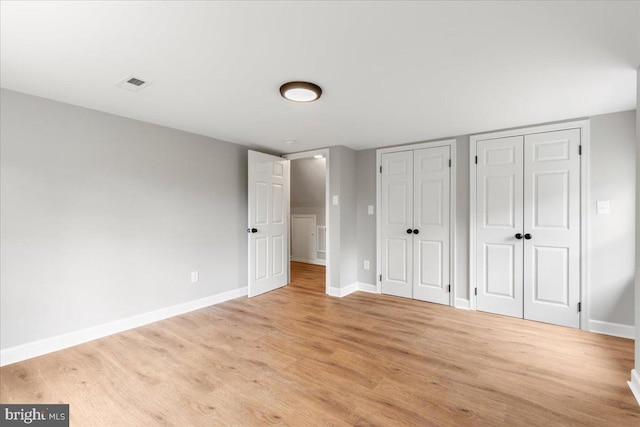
{"type": "Point", "coordinates": [132, 84]}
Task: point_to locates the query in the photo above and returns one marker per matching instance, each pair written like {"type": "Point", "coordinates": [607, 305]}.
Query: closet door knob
{"type": "Point", "coordinates": [519, 236]}
{"type": "Point", "coordinates": [409, 231]}
{"type": "Point", "coordinates": [416, 231]}
{"type": "Point", "coordinates": [528, 236]}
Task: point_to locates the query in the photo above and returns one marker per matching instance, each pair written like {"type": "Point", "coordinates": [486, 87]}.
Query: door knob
{"type": "Point", "coordinates": [409, 231]}
{"type": "Point", "coordinates": [416, 231]}
{"type": "Point", "coordinates": [528, 236]}
{"type": "Point", "coordinates": [519, 236]}
{"type": "Point", "coordinates": [252, 230]}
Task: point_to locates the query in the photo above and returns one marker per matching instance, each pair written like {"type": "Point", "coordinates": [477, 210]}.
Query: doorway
{"type": "Point", "coordinates": [309, 213]}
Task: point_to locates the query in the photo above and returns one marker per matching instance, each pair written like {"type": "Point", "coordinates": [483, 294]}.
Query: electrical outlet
{"type": "Point", "coordinates": [366, 264]}
{"type": "Point", "coordinates": [370, 209]}
{"type": "Point", "coordinates": [194, 277]}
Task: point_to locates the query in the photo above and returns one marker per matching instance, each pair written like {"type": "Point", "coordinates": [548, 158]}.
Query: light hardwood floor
{"type": "Point", "coordinates": [297, 357]}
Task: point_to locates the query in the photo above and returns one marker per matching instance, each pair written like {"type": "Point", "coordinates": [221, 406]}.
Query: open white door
{"type": "Point", "coordinates": [268, 222]}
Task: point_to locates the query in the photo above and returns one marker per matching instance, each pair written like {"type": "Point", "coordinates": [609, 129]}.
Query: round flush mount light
{"type": "Point", "coordinates": [300, 91]}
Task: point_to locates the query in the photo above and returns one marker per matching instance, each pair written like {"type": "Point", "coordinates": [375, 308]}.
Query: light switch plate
{"type": "Point", "coordinates": [370, 209]}
{"type": "Point", "coordinates": [194, 277]}
{"type": "Point", "coordinates": [335, 200]}
{"type": "Point", "coordinates": [366, 264]}
{"type": "Point", "coordinates": [602, 207]}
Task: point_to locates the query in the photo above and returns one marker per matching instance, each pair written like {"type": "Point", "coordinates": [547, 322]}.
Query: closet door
{"type": "Point", "coordinates": [552, 227]}
{"type": "Point", "coordinates": [499, 226]}
{"type": "Point", "coordinates": [431, 224]}
{"type": "Point", "coordinates": [397, 223]}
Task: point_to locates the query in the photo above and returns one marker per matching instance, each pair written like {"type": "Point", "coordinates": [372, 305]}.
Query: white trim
{"type": "Point", "coordinates": [451, 143]}
{"type": "Point", "coordinates": [356, 286]}
{"type": "Point", "coordinates": [462, 303]}
{"type": "Point", "coordinates": [48, 345]}
{"type": "Point", "coordinates": [309, 261]}
{"type": "Point", "coordinates": [584, 126]}
{"type": "Point", "coordinates": [609, 328]}
{"type": "Point", "coordinates": [321, 229]}
{"type": "Point", "coordinates": [326, 152]}
{"type": "Point", "coordinates": [634, 384]}
{"type": "Point", "coordinates": [343, 292]}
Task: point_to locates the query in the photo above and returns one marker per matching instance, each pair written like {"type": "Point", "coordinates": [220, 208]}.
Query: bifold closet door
{"type": "Point", "coordinates": [528, 226]}
{"type": "Point", "coordinates": [499, 226]}
{"type": "Point", "coordinates": [431, 189]}
{"type": "Point", "coordinates": [397, 223]}
{"type": "Point", "coordinates": [552, 225]}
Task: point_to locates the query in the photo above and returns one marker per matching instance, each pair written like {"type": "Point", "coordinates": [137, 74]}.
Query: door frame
{"type": "Point", "coordinates": [584, 127]}
{"type": "Point", "coordinates": [305, 155]}
{"type": "Point", "coordinates": [451, 143]}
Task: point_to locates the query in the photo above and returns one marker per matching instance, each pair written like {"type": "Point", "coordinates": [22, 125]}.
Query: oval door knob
{"type": "Point", "coordinates": [409, 231]}
{"type": "Point", "coordinates": [416, 231]}
{"type": "Point", "coordinates": [519, 236]}
{"type": "Point", "coordinates": [528, 236]}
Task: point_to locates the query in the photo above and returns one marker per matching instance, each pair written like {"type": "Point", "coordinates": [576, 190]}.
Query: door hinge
{"type": "Point", "coordinates": [449, 162]}
{"type": "Point", "coordinates": [449, 289]}
{"type": "Point", "coordinates": [476, 160]}
{"type": "Point", "coordinates": [380, 169]}
{"type": "Point", "coordinates": [476, 291]}
{"type": "Point", "coordinates": [381, 277]}
{"type": "Point", "coordinates": [579, 307]}
{"type": "Point", "coordinates": [580, 150]}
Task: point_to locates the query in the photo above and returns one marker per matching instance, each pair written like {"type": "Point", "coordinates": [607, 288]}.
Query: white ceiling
{"type": "Point", "coordinates": [392, 72]}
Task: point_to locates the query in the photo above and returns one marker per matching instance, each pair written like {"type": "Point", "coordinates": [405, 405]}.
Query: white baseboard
{"type": "Point", "coordinates": [310, 261]}
{"type": "Point", "coordinates": [49, 345]}
{"type": "Point", "coordinates": [343, 292]}
{"type": "Point", "coordinates": [462, 303]}
{"type": "Point", "coordinates": [634, 384]}
{"type": "Point", "coordinates": [615, 329]}
{"type": "Point", "coordinates": [356, 286]}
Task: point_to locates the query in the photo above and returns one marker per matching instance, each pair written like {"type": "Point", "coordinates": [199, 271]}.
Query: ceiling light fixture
{"type": "Point", "coordinates": [300, 91]}
{"type": "Point", "coordinates": [318, 156]}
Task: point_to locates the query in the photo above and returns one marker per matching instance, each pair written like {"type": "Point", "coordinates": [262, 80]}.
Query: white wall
{"type": "Point", "coordinates": [637, 261]}
{"type": "Point", "coordinates": [366, 224]}
{"type": "Point", "coordinates": [104, 218]}
{"type": "Point", "coordinates": [343, 251]}
{"type": "Point", "coordinates": [612, 236]}
{"type": "Point", "coordinates": [612, 254]}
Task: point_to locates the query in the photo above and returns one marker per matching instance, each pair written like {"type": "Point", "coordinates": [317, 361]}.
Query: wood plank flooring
{"type": "Point", "coordinates": [298, 357]}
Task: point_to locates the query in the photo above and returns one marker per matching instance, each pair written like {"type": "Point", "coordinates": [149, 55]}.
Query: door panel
{"type": "Point", "coordinates": [396, 218]}
{"type": "Point", "coordinates": [552, 218]}
{"type": "Point", "coordinates": [268, 199]}
{"type": "Point", "coordinates": [432, 182]}
{"type": "Point", "coordinates": [499, 216]}
{"type": "Point", "coordinates": [499, 271]}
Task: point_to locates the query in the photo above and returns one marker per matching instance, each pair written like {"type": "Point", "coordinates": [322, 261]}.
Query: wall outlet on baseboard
{"type": "Point", "coordinates": [366, 264]}
{"type": "Point", "coordinates": [195, 277]}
